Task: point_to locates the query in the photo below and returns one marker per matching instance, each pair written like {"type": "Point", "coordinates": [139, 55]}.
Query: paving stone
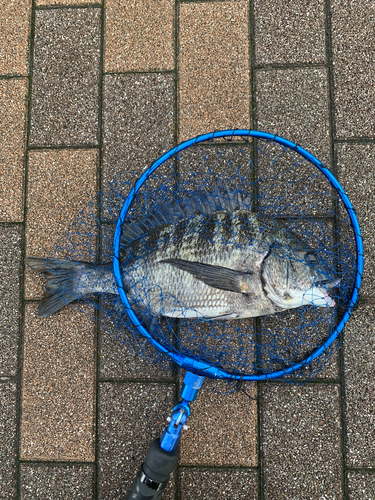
{"type": "Point", "coordinates": [213, 66]}
{"type": "Point", "coordinates": [293, 103]}
{"type": "Point", "coordinates": [361, 485]}
{"type": "Point", "coordinates": [222, 429]}
{"type": "Point", "coordinates": [355, 167]}
{"type": "Point", "coordinates": [56, 482]}
{"type": "Point", "coordinates": [131, 416]}
{"type": "Point", "coordinates": [60, 184]}
{"type": "Point", "coordinates": [139, 35]}
{"type": "Point", "coordinates": [8, 440]}
{"type": "Point", "coordinates": [359, 371]}
{"type": "Point", "coordinates": [58, 387]}
{"type": "Point", "coordinates": [353, 53]}
{"type": "Point", "coordinates": [13, 108]}
{"type": "Point", "coordinates": [66, 71]}
{"type": "Point", "coordinates": [118, 362]}
{"type": "Point", "coordinates": [300, 441]}
{"type": "Point", "coordinates": [10, 270]}
{"type": "Point", "coordinates": [39, 3]}
{"type": "Point", "coordinates": [138, 116]}
{"type": "Point", "coordinates": [15, 19]}
{"type": "Point", "coordinates": [206, 484]}
{"type": "Point", "coordinates": [289, 32]}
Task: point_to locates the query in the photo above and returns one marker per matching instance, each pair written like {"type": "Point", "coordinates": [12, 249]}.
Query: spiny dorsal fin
{"type": "Point", "coordinates": [215, 276]}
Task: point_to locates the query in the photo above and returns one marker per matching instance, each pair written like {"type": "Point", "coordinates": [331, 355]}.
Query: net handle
{"type": "Point", "coordinates": [200, 367]}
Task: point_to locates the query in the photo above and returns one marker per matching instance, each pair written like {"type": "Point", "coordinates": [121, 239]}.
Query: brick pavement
{"type": "Point", "coordinates": [88, 89]}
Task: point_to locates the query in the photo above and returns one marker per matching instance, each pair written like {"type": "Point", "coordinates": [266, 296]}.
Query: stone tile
{"type": "Point", "coordinates": [118, 361]}
{"type": "Point", "coordinates": [293, 103]}
{"type": "Point", "coordinates": [359, 370]}
{"type": "Point", "coordinates": [131, 416]}
{"type": "Point", "coordinates": [8, 440]}
{"type": "Point", "coordinates": [15, 19]}
{"type": "Point", "coordinates": [355, 165]}
{"type": "Point", "coordinates": [289, 32]}
{"type": "Point", "coordinates": [58, 387]}
{"type": "Point", "coordinates": [39, 3]}
{"type": "Point", "coordinates": [66, 72]}
{"type": "Point", "coordinates": [60, 184]}
{"type": "Point", "coordinates": [206, 484]}
{"type": "Point", "coordinates": [139, 35]}
{"type": "Point", "coordinates": [56, 482]}
{"type": "Point", "coordinates": [138, 116]}
{"type": "Point", "coordinates": [213, 66]}
{"type": "Point", "coordinates": [361, 485]}
{"type": "Point", "coordinates": [300, 441]}
{"type": "Point", "coordinates": [353, 53]}
{"type": "Point", "coordinates": [10, 266]}
{"type": "Point", "coordinates": [13, 108]}
{"type": "Point", "coordinates": [222, 430]}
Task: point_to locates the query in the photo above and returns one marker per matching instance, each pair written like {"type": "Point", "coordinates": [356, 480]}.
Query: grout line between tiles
{"type": "Point", "coordinates": [286, 66]}
{"type": "Point", "coordinates": [64, 147]}
{"type": "Point", "coordinates": [341, 384]}
{"type": "Point", "coordinates": [13, 77]}
{"type": "Point", "coordinates": [152, 72]}
{"type": "Point", "coordinates": [23, 254]}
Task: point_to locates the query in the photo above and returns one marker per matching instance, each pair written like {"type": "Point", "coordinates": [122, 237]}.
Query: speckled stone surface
{"type": "Point", "coordinates": [222, 430]}
{"type": "Point", "coordinates": [13, 108]}
{"type": "Point", "coordinates": [361, 485]}
{"type": "Point", "coordinates": [58, 391]}
{"type": "Point", "coordinates": [138, 118]}
{"type": "Point", "coordinates": [213, 67]}
{"type": "Point", "coordinates": [131, 417]}
{"type": "Point", "coordinates": [15, 17]}
{"type": "Point", "coordinates": [40, 3]}
{"type": "Point", "coordinates": [207, 484]}
{"type": "Point", "coordinates": [65, 90]}
{"type": "Point", "coordinates": [10, 283]}
{"type": "Point", "coordinates": [359, 371]}
{"type": "Point", "coordinates": [8, 443]}
{"type": "Point", "coordinates": [56, 482]}
{"type": "Point", "coordinates": [293, 103]}
{"type": "Point", "coordinates": [355, 168]}
{"type": "Point", "coordinates": [289, 32]}
{"type": "Point", "coordinates": [353, 52]}
{"type": "Point", "coordinates": [139, 35]}
{"type": "Point", "coordinates": [300, 441]}
{"type": "Point", "coordinates": [60, 184]}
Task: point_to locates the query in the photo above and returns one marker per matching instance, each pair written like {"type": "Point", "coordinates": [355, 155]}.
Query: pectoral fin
{"type": "Point", "coordinates": [215, 276]}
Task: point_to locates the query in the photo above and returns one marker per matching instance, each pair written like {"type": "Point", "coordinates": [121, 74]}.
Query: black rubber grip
{"type": "Point", "coordinates": [153, 476]}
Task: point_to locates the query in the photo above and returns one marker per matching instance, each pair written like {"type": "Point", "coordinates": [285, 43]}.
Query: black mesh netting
{"type": "Point", "coordinates": [223, 230]}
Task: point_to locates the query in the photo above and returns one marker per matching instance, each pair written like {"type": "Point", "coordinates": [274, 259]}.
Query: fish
{"type": "Point", "coordinates": [218, 261]}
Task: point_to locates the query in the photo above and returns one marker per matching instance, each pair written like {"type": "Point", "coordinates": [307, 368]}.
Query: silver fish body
{"type": "Point", "coordinates": [227, 264]}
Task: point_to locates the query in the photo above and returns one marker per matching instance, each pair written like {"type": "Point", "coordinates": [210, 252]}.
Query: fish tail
{"type": "Point", "coordinates": [60, 286]}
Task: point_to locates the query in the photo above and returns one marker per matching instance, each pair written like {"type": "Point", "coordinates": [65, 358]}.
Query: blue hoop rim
{"type": "Point", "coordinates": [200, 367]}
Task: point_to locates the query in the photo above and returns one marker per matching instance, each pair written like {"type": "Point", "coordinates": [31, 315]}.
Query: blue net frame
{"type": "Point", "coordinates": [273, 179]}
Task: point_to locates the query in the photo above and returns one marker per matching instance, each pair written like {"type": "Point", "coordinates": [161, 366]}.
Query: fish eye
{"type": "Point", "coordinates": [311, 258]}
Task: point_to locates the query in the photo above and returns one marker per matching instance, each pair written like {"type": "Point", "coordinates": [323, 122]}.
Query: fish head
{"type": "Point", "coordinates": [297, 276]}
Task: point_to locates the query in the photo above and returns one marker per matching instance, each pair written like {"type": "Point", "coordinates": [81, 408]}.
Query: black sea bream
{"type": "Point", "coordinates": [222, 265]}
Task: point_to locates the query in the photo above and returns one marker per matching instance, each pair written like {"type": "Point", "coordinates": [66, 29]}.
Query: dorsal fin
{"type": "Point", "coordinates": [185, 207]}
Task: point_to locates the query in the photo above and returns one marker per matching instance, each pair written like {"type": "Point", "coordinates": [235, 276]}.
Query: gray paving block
{"type": "Point", "coordinates": [207, 484]}
{"type": "Point", "coordinates": [138, 121]}
{"type": "Point", "coordinates": [289, 32]}
{"type": "Point", "coordinates": [66, 71]}
{"type": "Point", "coordinates": [131, 416]}
{"type": "Point", "coordinates": [355, 166]}
{"type": "Point", "coordinates": [353, 52]}
{"type": "Point", "coordinates": [361, 485]}
{"type": "Point", "coordinates": [10, 269]}
{"type": "Point", "coordinates": [359, 372]}
{"type": "Point", "coordinates": [118, 361]}
{"type": "Point", "coordinates": [56, 482]}
{"type": "Point", "coordinates": [300, 441]}
{"type": "Point", "coordinates": [293, 103]}
{"type": "Point", "coordinates": [8, 394]}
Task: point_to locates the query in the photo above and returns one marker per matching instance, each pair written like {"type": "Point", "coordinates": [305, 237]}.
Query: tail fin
{"type": "Point", "coordinates": [60, 274]}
